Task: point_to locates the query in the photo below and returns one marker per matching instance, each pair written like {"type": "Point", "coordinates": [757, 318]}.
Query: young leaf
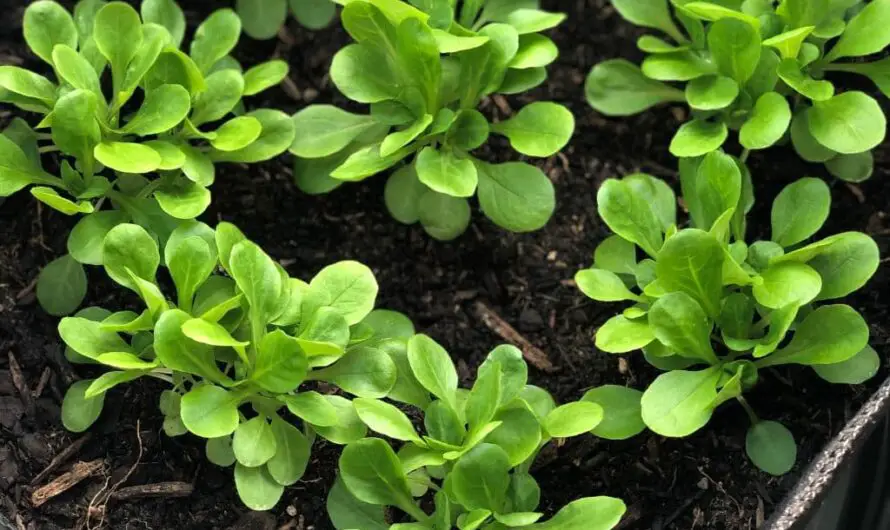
{"type": "Point", "coordinates": [768, 122]}
{"type": "Point", "coordinates": [237, 133]}
{"type": "Point", "coordinates": [86, 238]}
{"type": "Point", "coordinates": [848, 123]}
{"type": "Point", "coordinates": [348, 287]}
{"type": "Point", "coordinates": [312, 407]}
{"type": "Point", "coordinates": [167, 14]}
{"type": "Point", "coordinates": [118, 35]}
{"type": "Point", "coordinates": [846, 264]}
{"type": "Point", "coordinates": [854, 371]}
{"type": "Point", "coordinates": [178, 352]}
{"type": "Point", "coordinates": [711, 92]}
{"type": "Point", "coordinates": [539, 129]}
{"type": "Point", "coordinates": [692, 262]}
{"type": "Point", "coordinates": [805, 144]}
{"type": "Point", "coordinates": [735, 48]}
{"type": "Point", "coordinates": [443, 217]}
{"type": "Point", "coordinates": [603, 286]}
{"type": "Point", "coordinates": [621, 335]}
{"type": "Point", "coordinates": [402, 195]}
{"type": "Point", "coordinates": [280, 364]}
{"type": "Point", "coordinates": [218, 450]}
{"type": "Point", "coordinates": [129, 248]}
{"type": "Point", "coordinates": [325, 130]}
{"type": "Point", "coordinates": [617, 87]}
{"type": "Point", "coordinates": [28, 84]}
{"type": "Point", "coordinates": [348, 428]}
{"type": "Point", "coordinates": [831, 334]}
{"type": "Point", "coordinates": [256, 487]}
{"type": "Point", "coordinates": [346, 511]}
{"type": "Point", "coordinates": [128, 157]}
{"type": "Point", "coordinates": [215, 38]}
{"type": "Point", "coordinates": [680, 402]}
{"type": "Point", "coordinates": [799, 211]}
{"type": "Point", "coordinates": [589, 513]}
{"type": "Point", "coordinates": [679, 323]}
{"type": "Point", "coordinates": [210, 411]}
{"type": "Point", "coordinates": [254, 442]}
{"type": "Point", "coordinates": [857, 167]}
{"type": "Point", "coordinates": [629, 216]}
{"type": "Point", "coordinates": [865, 33]}
{"type": "Point", "coordinates": [479, 479]}
{"type": "Point", "coordinates": [373, 474]}
{"type": "Point", "coordinates": [621, 405]}
{"type": "Point", "coordinates": [277, 135]}
{"type": "Point", "coordinates": [515, 195]}
{"type": "Point", "coordinates": [264, 76]}
{"type": "Point", "coordinates": [770, 445]}
{"type": "Point", "coordinates": [163, 109]}
{"type": "Point", "coordinates": [445, 172]}
{"type": "Point", "coordinates": [534, 51]}
{"type": "Point", "coordinates": [573, 419]}
{"type": "Point", "coordinates": [292, 454]}
{"type": "Point", "coordinates": [365, 371]}
{"type": "Point", "coordinates": [79, 411]}
{"type": "Point", "coordinates": [61, 286]}
{"type": "Point", "coordinates": [74, 128]}
{"type": "Point", "coordinates": [787, 283]}
{"type": "Point", "coordinates": [262, 18]}
{"type": "Point", "coordinates": [224, 91]}
{"type": "Point", "coordinates": [698, 137]}
{"type": "Point", "coordinates": [47, 24]}
{"type": "Point", "coordinates": [650, 14]}
{"type": "Point", "coordinates": [433, 368]}
{"type": "Point", "coordinates": [793, 74]}
{"type": "Point", "coordinates": [386, 419]}
{"type": "Point", "coordinates": [258, 277]}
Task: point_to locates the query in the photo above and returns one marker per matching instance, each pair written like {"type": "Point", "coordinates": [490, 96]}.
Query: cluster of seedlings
{"type": "Point", "coordinates": [133, 122]}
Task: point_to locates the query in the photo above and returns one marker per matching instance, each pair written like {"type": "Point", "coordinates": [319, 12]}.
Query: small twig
{"type": "Point", "coordinates": [18, 380]}
{"type": "Point", "coordinates": [105, 493]}
{"type": "Point", "coordinates": [60, 458]}
{"type": "Point", "coordinates": [495, 323]}
{"type": "Point", "coordinates": [66, 481]}
{"type": "Point", "coordinates": [41, 384]}
{"type": "Point", "coordinates": [160, 489]}
{"type": "Point", "coordinates": [28, 289]}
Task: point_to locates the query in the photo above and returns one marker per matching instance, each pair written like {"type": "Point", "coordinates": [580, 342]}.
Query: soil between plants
{"type": "Point", "coordinates": [703, 481]}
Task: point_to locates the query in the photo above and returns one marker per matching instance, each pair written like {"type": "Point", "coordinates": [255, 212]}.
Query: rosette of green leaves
{"type": "Point", "coordinates": [262, 19]}
{"type": "Point", "coordinates": [424, 71]}
{"type": "Point", "coordinates": [475, 458]}
{"type": "Point", "coordinates": [236, 343]}
{"type": "Point", "coordinates": [712, 310]}
{"type": "Point", "coordinates": [146, 141]}
{"type": "Point", "coordinates": [757, 68]}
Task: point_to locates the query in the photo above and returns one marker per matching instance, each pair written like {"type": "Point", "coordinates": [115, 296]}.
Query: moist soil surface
{"type": "Point", "coordinates": [704, 481]}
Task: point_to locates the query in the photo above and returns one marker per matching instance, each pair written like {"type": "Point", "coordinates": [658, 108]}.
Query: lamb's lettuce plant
{"type": "Point", "coordinates": [475, 458]}
{"type": "Point", "coordinates": [138, 124]}
{"type": "Point", "coordinates": [712, 311]}
{"type": "Point", "coordinates": [236, 344]}
{"type": "Point", "coordinates": [758, 68]}
{"type": "Point", "coordinates": [424, 71]}
{"type": "Point", "coordinates": [262, 19]}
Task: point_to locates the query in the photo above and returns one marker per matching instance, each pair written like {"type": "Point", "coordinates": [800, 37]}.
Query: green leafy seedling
{"type": "Point", "coordinates": [434, 65]}
{"type": "Point", "coordinates": [236, 343]}
{"type": "Point", "coordinates": [757, 68]}
{"type": "Point", "coordinates": [475, 457]}
{"type": "Point", "coordinates": [712, 311]}
{"type": "Point", "coordinates": [146, 143]}
{"type": "Point", "coordinates": [263, 19]}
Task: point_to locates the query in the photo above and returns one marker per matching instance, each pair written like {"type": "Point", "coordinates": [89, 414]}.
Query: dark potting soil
{"type": "Point", "coordinates": [704, 481]}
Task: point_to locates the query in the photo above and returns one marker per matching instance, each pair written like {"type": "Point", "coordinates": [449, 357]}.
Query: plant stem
{"type": "Point", "coordinates": [751, 414]}
{"type": "Point", "coordinates": [48, 149]}
{"type": "Point", "coordinates": [744, 157]}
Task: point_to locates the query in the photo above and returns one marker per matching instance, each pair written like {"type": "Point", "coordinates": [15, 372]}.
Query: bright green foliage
{"type": "Point", "coordinates": [145, 144]}
{"type": "Point", "coordinates": [757, 68]}
{"type": "Point", "coordinates": [434, 63]}
{"type": "Point", "coordinates": [475, 457]}
{"type": "Point", "coordinates": [236, 343]}
{"type": "Point", "coordinates": [263, 18]}
{"type": "Point", "coordinates": [712, 310]}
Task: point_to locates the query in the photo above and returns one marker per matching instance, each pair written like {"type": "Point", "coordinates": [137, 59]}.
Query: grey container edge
{"type": "Point", "coordinates": [820, 499]}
